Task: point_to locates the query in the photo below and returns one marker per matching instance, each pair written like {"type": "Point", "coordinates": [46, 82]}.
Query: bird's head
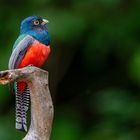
{"type": "Point", "coordinates": [36, 27]}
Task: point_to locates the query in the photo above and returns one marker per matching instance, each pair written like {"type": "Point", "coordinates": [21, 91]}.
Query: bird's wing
{"type": "Point", "coordinates": [19, 50]}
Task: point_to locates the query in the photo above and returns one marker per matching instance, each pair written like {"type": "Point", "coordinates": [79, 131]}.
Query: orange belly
{"type": "Point", "coordinates": [35, 55]}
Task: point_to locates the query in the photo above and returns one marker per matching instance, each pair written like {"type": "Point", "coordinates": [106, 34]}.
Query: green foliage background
{"type": "Point", "coordinates": [94, 67]}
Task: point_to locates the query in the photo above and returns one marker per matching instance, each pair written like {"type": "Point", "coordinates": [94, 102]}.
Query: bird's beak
{"type": "Point", "coordinates": [45, 21]}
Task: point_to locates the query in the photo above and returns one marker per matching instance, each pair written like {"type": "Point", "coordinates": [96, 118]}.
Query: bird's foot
{"type": "Point", "coordinates": [30, 65]}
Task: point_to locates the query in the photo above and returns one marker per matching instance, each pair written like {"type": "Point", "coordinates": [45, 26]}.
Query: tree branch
{"type": "Point", "coordinates": [41, 102]}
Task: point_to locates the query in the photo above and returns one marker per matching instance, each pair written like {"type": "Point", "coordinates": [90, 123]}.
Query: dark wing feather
{"type": "Point", "coordinates": [19, 51]}
{"type": "Point", "coordinates": [22, 100]}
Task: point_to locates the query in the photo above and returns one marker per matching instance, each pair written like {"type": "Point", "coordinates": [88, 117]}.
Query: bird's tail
{"type": "Point", "coordinates": [22, 105]}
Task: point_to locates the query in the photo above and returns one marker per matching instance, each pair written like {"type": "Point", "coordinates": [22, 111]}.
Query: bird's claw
{"type": "Point", "coordinates": [30, 65]}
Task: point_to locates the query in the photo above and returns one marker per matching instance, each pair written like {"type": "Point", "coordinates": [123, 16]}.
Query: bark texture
{"type": "Point", "coordinates": [41, 102]}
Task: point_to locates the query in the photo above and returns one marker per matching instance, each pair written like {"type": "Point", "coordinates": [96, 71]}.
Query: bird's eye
{"type": "Point", "coordinates": [36, 22]}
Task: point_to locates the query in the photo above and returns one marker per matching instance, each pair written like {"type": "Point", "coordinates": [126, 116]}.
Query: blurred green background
{"type": "Point", "coordinates": [94, 67]}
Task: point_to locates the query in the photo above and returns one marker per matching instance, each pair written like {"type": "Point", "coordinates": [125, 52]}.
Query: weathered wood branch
{"type": "Point", "coordinates": [41, 102]}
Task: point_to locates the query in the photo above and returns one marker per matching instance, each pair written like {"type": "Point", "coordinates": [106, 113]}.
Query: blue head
{"type": "Point", "coordinates": [36, 27]}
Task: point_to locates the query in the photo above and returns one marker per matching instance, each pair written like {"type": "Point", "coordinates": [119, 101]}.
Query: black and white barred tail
{"type": "Point", "coordinates": [22, 105]}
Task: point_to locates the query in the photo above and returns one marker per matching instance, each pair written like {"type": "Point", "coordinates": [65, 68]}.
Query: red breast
{"type": "Point", "coordinates": [36, 55]}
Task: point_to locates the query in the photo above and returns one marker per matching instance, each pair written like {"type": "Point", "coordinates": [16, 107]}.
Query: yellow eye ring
{"type": "Point", "coordinates": [36, 22]}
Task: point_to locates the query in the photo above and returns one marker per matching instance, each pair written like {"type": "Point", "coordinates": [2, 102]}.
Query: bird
{"type": "Point", "coordinates": [32, 47]}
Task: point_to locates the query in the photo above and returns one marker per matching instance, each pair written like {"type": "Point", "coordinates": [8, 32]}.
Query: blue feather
{"type": "Point", "coordinates": [39, 32]}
